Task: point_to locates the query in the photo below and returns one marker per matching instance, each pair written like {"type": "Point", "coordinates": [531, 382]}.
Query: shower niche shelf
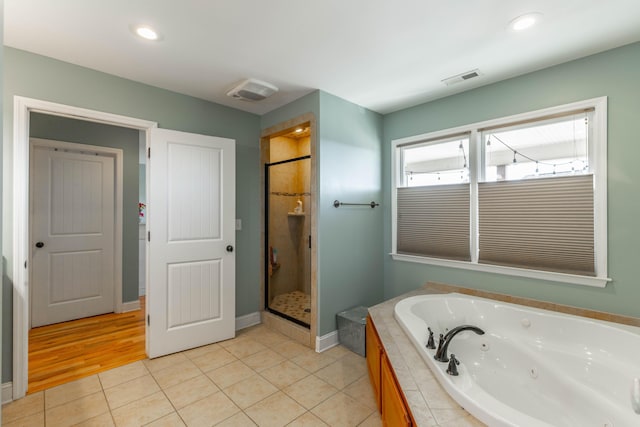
{"type": "Point", "coordinates": [295, 214]}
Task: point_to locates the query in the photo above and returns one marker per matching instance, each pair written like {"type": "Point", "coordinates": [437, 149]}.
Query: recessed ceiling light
{"type": "Point", "coordinates": [299, 130]}
{"type": "Point", "coordinates": [525, 21]}
{"type": "Point", "coordinates": [146, 32]}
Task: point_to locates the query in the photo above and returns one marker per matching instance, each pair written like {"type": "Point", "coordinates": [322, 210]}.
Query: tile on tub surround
{"type": "Point", "coordinates": [277, 382]}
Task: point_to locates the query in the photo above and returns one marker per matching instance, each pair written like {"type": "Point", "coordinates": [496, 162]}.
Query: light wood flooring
{"type": "Point", "coordinates": [68, 351]}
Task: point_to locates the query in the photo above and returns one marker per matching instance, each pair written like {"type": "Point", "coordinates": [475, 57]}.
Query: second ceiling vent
{"type": "Point", "coordinates": [459, 78]}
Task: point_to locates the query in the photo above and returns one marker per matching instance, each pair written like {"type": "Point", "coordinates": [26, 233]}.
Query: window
{"type": "Point", "coordinates": [522, 195]}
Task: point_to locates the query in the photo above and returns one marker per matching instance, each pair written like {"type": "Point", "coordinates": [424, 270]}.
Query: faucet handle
{"type": "Point", "coordinates": [430, 343]}
{"type": "Point", "coordinates": [452, 368]}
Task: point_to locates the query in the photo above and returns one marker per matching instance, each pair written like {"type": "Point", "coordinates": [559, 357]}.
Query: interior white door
{"type": "Point", "coordinates": [191, 217]}
{"type": "Point", "coordinates": [72, 235]}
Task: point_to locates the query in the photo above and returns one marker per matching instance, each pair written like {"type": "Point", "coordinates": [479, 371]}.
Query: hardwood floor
{"type": "Point", "coordinates": [71, 350]}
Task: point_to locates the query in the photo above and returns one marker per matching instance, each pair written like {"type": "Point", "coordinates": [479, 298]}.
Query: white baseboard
{"type": "Point", "coordinates": [327, 341]}
{"type": "Point", "coordinates": [7, 392]}
{"type": "Point", "coordinates": [130, 306]}
{"type": "Point", "coordinates": [248, 320]}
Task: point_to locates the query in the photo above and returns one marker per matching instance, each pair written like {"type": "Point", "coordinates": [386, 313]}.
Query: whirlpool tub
{"type": "Point", "coordinates": [532, 367]}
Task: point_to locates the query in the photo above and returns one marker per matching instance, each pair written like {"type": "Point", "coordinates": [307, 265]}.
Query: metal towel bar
{"type": "Point", "coordinates": [338, 203]}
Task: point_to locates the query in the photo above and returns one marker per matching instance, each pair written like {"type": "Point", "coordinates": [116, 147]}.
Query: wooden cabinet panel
{"type": "Point", "coordinates": [394, 410]}
{"type": "Point", "coordinates": [374, 353]}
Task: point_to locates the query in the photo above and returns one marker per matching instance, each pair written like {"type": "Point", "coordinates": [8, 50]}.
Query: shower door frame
{"type": "Point", "coordinates": [305, 336]}
{"type": "Point", "coordinates": [267, 211]}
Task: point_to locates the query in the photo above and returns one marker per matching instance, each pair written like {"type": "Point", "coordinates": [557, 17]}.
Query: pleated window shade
{"type": "Point", "coordinates": [434, 221]}
{"type": "Point", "coordinates": [542, 224]}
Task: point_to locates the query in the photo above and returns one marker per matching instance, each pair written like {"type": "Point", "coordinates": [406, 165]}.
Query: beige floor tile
{"type": "Point", "coordinates": [372, 420]}
{"type": "Point", "coordinates": [28, 405]}
{"type": "Point", "coordinates": [337, 352]}
{"type": "Point", "coordinates": [154, 365]}
{"type": "Point", "coordinates": [77, 411]}
{"type": "Point", "coordinates": [249, 391]}
{"type": "Point", "coordinates": [104, 420]}
{"type": "Point", "coordinates": [274, 411]}
{"type": "Point", "coordinates": [263, 360]}
{"type": "Point", "coordinates": [238, 420]}
{"type": "Point", "coordinates": [113, 377]}
{"type": "Point", "coordinates": [230, 374]}
{"type": "Point", "coordinates": [342, 410]}
{"type": "Point", "coordinates": [270, 338]}
{"type": "Point", "coordinates": [33, 420]}
{"type": "Point", "coordinates": [190, 391]}
{"type": "Point", "coordinates": [131, 391]}
{"type": "Point", "coordinates": [310, 391]}
{"type": "Point", "coordinates": [245, 347]}
{"type": "Point", "coordinates": [284, 374]}
{"type": "Point", "coordinates": [200, 351]}
{"type": "Point", "coordinates": [143, 411]}
{"type": "Point", "coordinates": [313, 361]}
{"type": "Point", "coordinates": [214, 359]}
{"type": "Point", "coordinates": [362, 391]}
{"type": "Point", "coordinates": [342, 372]}
{"type": "Point", "coordinates": [290, 349]}
{"type": "Point", "coordinates": [71, 391]}
{"type": "Point", "coordinates": [234, 341]}
{"type": "Point", "coordinates": [171, 420]}
{"type": "Point", "coordinates": [208, 411]}
{"type": "Point", "coordinates": [179, 372]}
{"type": "Point", "coordinates": [307, 420]}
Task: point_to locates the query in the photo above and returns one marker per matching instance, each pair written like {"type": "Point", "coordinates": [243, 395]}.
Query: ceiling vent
{"type": "Point", "coordinates": [462, 77]}
{"type": "Point", "coordinates": [252, 90]}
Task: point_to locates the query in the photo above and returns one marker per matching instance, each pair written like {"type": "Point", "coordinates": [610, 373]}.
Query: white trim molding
{"type": "Point", "coordinates": [327, 341]}
{"type": "Point", "coordinates": [128, 306]}
{"type": "Point", "coordinates": [248, 320]}
{"type": "Point", "coordinates": [22, 107]}
{"type": "Point", "coordinates": [7, 392]}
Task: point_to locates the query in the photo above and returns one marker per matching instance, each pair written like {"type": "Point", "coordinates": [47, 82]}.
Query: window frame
{"type": "Point", "coordinates": [597, 156]}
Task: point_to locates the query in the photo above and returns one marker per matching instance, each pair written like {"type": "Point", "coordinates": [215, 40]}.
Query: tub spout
{"type": "Point", "coordinates": [441, 353]}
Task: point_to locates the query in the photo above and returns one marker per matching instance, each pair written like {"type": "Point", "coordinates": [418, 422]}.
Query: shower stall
{"type": "Point", "coordinates": [288, 231]}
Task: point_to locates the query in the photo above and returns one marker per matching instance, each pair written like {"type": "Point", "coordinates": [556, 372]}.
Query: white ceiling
{"type": "Point", "coordinates": [381, 54]}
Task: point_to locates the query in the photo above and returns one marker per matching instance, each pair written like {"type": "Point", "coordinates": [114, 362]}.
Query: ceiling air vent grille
{"type": "Point", "coordinates": [462, 77]}
{"type": "Point", "coordinates": [252, 90]}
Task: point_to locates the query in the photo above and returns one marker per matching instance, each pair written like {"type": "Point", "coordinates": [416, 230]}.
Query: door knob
{"type": "Point", "coordinates": [229, 248]}
{"type": "Point", "coordinates": [39, 245]}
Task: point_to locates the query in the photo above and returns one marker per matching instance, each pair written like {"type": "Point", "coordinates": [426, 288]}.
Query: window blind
{"type": "Point", "coordinates": [434, 221]}
{"type": "Point", "coordinates": [542, 224]}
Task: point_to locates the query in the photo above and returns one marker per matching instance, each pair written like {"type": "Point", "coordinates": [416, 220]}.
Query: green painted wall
{"type": "Point", "coordinates": [39, 77]}
{"type": "Point", "coordinates": [348, 169]}
{"type": "Point", "coordinates": [83, 132]}
{"type": "Point", "coordinates": [350, 271]}
{"type": "Point", "coordinates": [613, 74]}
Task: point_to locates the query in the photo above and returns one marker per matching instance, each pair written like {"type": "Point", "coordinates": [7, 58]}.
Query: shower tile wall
{"type": "Point", "coordinates": [289, 234]}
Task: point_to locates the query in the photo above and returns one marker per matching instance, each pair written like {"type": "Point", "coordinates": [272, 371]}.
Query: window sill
{"type": "Point", "coordinates": [574, 279]}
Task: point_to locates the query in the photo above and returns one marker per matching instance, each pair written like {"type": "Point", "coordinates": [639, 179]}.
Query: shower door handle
{"type": "Point", "coordinates": [229, 248]}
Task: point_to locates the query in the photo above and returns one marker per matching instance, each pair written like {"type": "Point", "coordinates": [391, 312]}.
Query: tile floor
{"type": "Point", "coordinates": [258, 378]}
{"type": "Point", "coordinates": [295, 304]}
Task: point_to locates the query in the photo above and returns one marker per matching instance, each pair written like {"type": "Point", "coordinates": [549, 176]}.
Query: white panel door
{"type": "Point", "coordinates": [72, 235]}
{"type": "Point", "coordinates": [191, 217]}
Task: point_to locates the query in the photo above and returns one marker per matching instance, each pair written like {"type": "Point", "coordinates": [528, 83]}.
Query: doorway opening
{"type": "Point", "coordinates": [23, 242]}
{"type": "Point", "coordinates": [289, 226]}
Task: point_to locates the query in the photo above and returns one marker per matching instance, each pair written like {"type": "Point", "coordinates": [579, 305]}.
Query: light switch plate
{"type": "Point", "coordinates": [238, 224]}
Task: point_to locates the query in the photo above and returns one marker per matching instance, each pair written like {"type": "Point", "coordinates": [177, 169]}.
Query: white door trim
{"type": "Point", "coordinates": [22, 106]}
{"type": "Point", "coordinates": [117, 155]}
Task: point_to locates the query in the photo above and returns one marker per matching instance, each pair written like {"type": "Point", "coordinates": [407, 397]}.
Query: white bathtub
{"type": "Point", "coordinates": [531, 367]}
